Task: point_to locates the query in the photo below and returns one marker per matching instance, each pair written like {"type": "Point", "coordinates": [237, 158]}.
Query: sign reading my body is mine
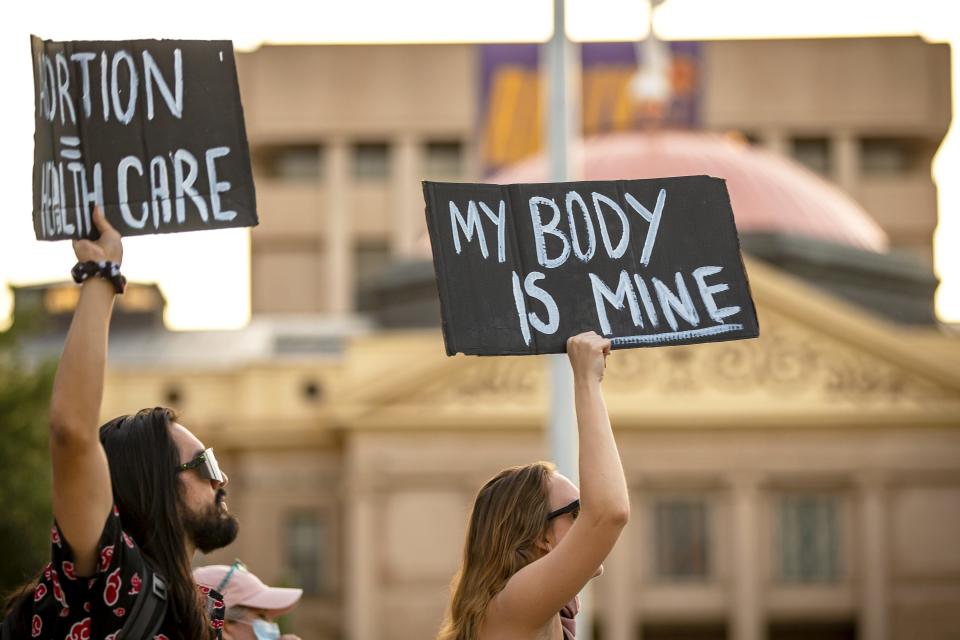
{"type": "Point", "coordinates": [151, 130]}
{"type": "Point", "coordinates": [522, 267]}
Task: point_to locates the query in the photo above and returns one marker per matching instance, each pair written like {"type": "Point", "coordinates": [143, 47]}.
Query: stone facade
{"type": "Point", "coordinates": [830, 411]}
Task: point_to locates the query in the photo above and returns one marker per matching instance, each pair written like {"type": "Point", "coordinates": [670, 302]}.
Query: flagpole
{"type": "Point", "coordinates": [562, 119]}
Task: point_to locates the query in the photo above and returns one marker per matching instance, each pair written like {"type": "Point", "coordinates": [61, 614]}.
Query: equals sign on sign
{"type": "Point", "coordinates": [71, 152]}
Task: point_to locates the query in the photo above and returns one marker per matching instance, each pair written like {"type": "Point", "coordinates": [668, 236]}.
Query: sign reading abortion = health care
{"type": "Point", "coordinates": [520, 268]}
{"type": "Point", "coordinates": [150, 130]}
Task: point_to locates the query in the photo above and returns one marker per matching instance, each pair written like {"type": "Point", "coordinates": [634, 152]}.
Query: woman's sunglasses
{"type": "Point", "coordinates": [573, 509]}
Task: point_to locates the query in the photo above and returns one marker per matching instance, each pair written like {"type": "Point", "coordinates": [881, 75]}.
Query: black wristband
{"type": "Point", "coordinates": [106, 270]}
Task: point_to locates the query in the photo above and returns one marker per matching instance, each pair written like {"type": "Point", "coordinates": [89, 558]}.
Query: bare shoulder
{"type": "Point", "coordinates": [498, 625]}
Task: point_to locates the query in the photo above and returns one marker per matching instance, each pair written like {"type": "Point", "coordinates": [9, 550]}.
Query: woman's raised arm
{"type": "Point", "coordinates": [82, 496]}
{"type": "Point", "coordinates": [538, 591]}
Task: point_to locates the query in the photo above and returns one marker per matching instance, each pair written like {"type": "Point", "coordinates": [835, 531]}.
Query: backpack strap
{"type": "Point", "coordinates": [149, 610]}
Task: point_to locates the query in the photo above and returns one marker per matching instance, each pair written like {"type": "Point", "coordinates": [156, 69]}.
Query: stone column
{"type": "Point", "coordinates": [338, 243]}
{"type": "Point", "coordinates": [472, 162]}
{"type": "Point", "coordinates": [621, 570]}
{"type": "Point", "coordinates": [361, 544]}
{"type": "Point", "coordinates": [405, 197]}
{"type": "Point", "coordinates": [873, 621]}
{"type": "Point", "coordinates": [777, 140]}
{"type": "Point", "coordinates": [747, 616]}
{"type": "Point", "coordinates": [845, 161]}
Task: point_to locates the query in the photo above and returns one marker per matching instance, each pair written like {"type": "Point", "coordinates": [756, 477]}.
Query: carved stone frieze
{"type": "Point", "coordinates": [790, 361]}
{"type": "Point", "coordinates": [787, 360]}
{"type": "Point", "coordinates": [486, 380]}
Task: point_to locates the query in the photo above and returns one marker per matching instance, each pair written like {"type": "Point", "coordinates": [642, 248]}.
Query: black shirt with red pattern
{"type": "Point", "coordinates": [70, 607]}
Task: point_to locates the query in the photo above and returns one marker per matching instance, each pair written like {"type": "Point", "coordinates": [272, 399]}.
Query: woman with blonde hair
{"type": "Point", "coordinates": [530, 546]}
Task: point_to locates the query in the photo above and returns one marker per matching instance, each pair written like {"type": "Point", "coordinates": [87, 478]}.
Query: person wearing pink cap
{"type": "Point", "coordinates": [251, 605]}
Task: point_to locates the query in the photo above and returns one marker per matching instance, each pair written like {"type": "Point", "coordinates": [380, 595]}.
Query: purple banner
{"type": "Point", "coordinates": [510, 111]}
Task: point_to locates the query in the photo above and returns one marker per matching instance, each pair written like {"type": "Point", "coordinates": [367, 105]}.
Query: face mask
{"type": "Point", "coordinates": [265, 630]}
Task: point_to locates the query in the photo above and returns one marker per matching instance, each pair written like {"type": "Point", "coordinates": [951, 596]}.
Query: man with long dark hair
{"type": "Point", "coordinates": [140, 497]}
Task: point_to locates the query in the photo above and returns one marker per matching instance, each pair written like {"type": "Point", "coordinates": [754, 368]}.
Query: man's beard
{"type": "Point", "coordinates": [213, 528]}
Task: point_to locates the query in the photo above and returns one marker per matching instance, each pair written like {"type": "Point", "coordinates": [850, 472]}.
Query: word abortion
{"type": "Point", "coordinates": [118, 77]}
{"type": "Point", "coordinates": [67, 193]}
{"type": "Point", "coordinates": [602, 231]}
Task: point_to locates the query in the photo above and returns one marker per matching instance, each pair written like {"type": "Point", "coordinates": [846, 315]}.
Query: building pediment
{"type": "Point", "coordinates": [818, 362]}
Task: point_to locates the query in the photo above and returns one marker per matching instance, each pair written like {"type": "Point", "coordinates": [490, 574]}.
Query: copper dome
{"type": "Point", "coordinates": [769, 193]}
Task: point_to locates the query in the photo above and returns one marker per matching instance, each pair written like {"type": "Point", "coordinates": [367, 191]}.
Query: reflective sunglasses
{"type": "Point", "coordinates": [573, 509]}
{"type": "Point", "coordinates": [206, 465]}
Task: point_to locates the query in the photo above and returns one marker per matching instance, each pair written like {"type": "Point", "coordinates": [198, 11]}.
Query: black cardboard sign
{"type": "Point", "coordinates": [520, 268]}
{"type": "Point", "coordinates": [151, 130]}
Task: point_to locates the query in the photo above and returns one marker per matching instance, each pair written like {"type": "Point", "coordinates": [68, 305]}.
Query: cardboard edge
{"type": "Point", "coordinates": [437, 258]}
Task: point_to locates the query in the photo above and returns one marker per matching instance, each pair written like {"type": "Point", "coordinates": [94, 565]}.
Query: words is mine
{"type": "Point", "coordinates": [178, 182]}
{"type": "Point", "coordinates": [602, 229]}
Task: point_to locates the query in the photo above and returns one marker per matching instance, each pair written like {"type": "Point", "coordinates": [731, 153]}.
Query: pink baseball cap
{"type": "Point", "coordinates": [246, 590]}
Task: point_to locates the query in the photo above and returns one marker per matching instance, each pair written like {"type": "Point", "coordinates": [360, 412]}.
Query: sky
{"type": "Point", "coordinates": [205, 275]}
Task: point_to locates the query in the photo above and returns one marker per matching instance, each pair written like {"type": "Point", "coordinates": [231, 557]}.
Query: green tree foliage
{"type": "Point", "coordinates": [25, 480]}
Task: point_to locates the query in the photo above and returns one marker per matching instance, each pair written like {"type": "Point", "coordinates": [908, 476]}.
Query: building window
{"type": "Point", "coordinates": [307, 543]}
{"type": "Point", "coordinates": [369, 261]}
{"type": "Point", "coordinates": [892, 156]}
{"type": "Point", "coordinates": [824, 629]}
{"type": "Point", "coordinates": [682, 539]}
{"type": "Point", "coordinates": [293, 162]}
{"type": "Point", "coordinates": [808, 538]}
{"type": "Point", "coordinates": [371, 161]}
{"type": "Point", "coordinates": [444, 159]}
{"type": "Point", "coordinates": [813, 153]}
{"type": "Point", "coordinates": [685, 630]}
